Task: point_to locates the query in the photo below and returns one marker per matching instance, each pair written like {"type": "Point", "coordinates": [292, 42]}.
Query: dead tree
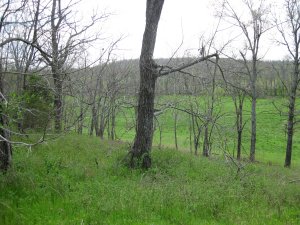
{"type": "Point", "coordinates": [252, 28]}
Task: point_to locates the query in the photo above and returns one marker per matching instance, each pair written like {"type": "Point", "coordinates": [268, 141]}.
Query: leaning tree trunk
{"type": "Point", "coordinates": [140, 153]}
{"type": "Point", "coordinates": [144, 133]}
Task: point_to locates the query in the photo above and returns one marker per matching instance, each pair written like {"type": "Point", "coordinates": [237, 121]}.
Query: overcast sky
{"type": "Point", "coordinates": [181, 21]}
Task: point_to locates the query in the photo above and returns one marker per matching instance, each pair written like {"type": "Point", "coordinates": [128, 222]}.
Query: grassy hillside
{"type": "Point", "coordinates": [271, 137]}
{"type": "Point", "coordinates": [80, 180]}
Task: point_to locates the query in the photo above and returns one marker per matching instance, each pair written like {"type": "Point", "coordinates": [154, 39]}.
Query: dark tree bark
{"type": "Point", "coordinates": [239, 103]}
{"type": "Point", "coordinates": [148, 75]}
{"type": "Point", "coordinates": [290, 32]}
{"type": "Point", "coordinates": [290, 131]}
{"type": "Point", "coordinates": [149, 72]}
{"type": "Point", "coordinates": [206, 146]}
{"type": "Point", "coordinates": [5, 150]}
{"type": "Point", "coordinates": [291, 114]}
{"type": "Point", "coordinates": [5, 146]}
{"type": "Point", "coordinates": [80, 120]}
{"type": "Point", "coordinates": [253, 121]}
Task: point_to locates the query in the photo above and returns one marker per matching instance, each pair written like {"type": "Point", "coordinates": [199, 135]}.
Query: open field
{"type": "Point", "coordinates": [82, 180]}
{"type": "Point", "coordinates": [271, 137]}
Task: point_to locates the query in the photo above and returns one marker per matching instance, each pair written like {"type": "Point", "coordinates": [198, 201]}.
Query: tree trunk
{"type": "Point", "coordinates": [291, 116]}
{"type": "Point", "coordinates": [144, 133]}
{"type": "Point", "coordinates": [56, 71]}
{"type": "Point", "coordinates": [5, 146]}
{"type": "Point", "coordinates": [102, 126]}
{"type": "Point", "coordinates": [5, 149]}
{"type": "Point", "coordinates": [290, 132]}
{"type": "Point", "coordinates": [175, 129]}
{"type": "Point", "coordinates": [253, 129]}
{"type": "Point", "coordinates": [238, 103]}
{"type": "Point", "coordinates": [140, 153]}
{"type": "Point", "coordinates": [113, 122]}
{"type": "Point", "coordinates": [58, 107]}
{"type": "Point", "coordinates": [190, 134]}
{"type": "Point", "coordinates": [93, 121]}
{"type": "Point", "coordinates": [253, 108]}
{"type": "Point", "coordinates": [80, 120]}
{"type": "Point", "coordinates": [205, 151]}
{"type": "Point", "coordinates": [239, 145]}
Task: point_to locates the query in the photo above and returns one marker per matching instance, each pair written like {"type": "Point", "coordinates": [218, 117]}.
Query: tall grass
{"type": "Point", "coordinates": [82, 180]}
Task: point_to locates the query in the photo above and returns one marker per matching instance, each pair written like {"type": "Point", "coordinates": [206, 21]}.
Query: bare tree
{"type": "Point", "coordinates": [252, 28]}
{"type": "Point", "coordinates": [7, 9]}
{"type": "Point", "coordinates": [290, 33]}
{"type": "Point", "coordinates": [65, 38]}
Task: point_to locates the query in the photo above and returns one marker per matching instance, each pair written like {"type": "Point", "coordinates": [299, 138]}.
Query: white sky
{"type": "Point", "coordinates": [180, 21]}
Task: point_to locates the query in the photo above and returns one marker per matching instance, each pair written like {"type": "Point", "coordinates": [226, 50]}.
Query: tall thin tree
{"type": "Point", "coordinates": [290, 33]}
{"type": "Point", "coordinates": [252, 28]}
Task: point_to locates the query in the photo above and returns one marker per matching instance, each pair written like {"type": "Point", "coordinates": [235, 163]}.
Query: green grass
{"type": "Point", "coordinates": [82, 180]}
{"type": "Point", "coordinates": [271, 137]}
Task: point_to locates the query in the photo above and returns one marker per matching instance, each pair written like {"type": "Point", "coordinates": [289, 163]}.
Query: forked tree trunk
{"type": "Point", "coordinates": [140, 153]}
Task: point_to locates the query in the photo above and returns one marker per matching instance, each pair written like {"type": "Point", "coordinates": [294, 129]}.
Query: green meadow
{"type": "Point", "coordinates": [271, 122]}
{"type": "Point", "coordinates": [82, 180]}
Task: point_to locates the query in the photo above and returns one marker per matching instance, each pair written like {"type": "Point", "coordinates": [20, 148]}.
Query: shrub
{"type": "Point", "coordinates": [33, 107]}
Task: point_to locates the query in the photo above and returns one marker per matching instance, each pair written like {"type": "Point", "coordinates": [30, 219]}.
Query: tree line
{"type": "Point", "coordinates": [49, 83]}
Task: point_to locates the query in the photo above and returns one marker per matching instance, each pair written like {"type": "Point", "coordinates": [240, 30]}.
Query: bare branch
{"type": "Point", "coordinates": [169, 71]}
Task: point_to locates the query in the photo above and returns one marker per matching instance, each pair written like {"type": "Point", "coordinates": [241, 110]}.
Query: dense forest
{"type": "Point", "coordinates": [166, 130]}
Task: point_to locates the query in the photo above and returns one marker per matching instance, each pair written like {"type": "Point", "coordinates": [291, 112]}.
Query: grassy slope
{"type": "Point", "coordinates": [61, 183]}
{"type": "Point", "coordinates": [271, 137]}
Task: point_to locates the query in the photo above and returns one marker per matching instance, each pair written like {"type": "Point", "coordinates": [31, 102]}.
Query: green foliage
{"type": "Point", "coordinates": [80, 180]}
{"type": "Point", "coordinates": [33, 107]}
